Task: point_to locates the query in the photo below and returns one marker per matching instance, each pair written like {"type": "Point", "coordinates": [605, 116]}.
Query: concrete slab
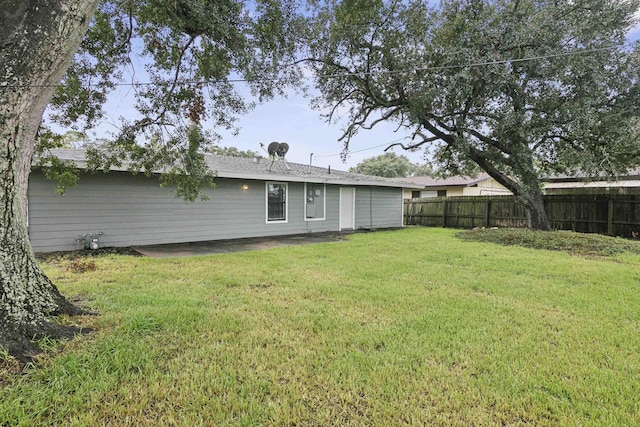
{"type": "Point", "coordinates": [237, 245]}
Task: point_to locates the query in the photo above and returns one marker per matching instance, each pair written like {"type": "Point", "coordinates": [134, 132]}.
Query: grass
{"type": "Point", "coordinates": [412, 327]}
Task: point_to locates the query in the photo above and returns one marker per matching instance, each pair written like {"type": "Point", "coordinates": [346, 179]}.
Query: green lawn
{"type": "Point", "coordinates": [410, 327]}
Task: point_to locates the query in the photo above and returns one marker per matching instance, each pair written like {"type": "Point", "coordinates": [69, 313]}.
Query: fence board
{"type": "Point", "coordinates": [613, 214]}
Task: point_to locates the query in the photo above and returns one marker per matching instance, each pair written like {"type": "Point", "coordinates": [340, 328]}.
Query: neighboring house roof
{"type": "Point", "coordinates": [261, 169]}
{"type": "Point", "coordinates": [632, 174]}
{"type": "Point", "coordinates": [630, 179]}
{"type": "Point", "coordinates": [592, 184]}
{"type": "Point", "coordinates": [454, 181]}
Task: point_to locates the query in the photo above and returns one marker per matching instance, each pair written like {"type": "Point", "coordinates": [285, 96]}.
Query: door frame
{"type": "Point", "coordinates": [347, 198]}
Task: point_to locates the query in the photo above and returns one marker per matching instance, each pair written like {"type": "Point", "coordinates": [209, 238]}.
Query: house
{"type": "Point", "coordinates": [629, 183]}
{"type": "Point", "coordinates": [481, 185]}
{"type": "Point", "coordinates": [252, 198]}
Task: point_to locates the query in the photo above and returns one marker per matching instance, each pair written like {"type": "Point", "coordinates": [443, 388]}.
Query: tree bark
{"type": "Point", "coordinates": [531, 196]}
{"type": "Point", "coordinates": [38, 39]}
{"type": "Point", "coordinates": [527, 189]}
{"type": "Point", "coordinates": [537, 218]}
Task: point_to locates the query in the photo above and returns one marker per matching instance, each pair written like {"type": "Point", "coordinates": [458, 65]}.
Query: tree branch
{"type": "Point", "coordinates": [413, 146]}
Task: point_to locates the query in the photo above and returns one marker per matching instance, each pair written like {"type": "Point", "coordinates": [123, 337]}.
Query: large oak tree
{"type": "Point", "coordinates": [519, 88]}
{"type": "Point", "coordinates": [180, 57]}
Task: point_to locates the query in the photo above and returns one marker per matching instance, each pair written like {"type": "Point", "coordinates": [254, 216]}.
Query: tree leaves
{"type": "Point", "coordinates": [521, 88]}
{"type": "Point", "coordinates": [390, 165]}
{"type": "Point", "coordinates": [178, 58]}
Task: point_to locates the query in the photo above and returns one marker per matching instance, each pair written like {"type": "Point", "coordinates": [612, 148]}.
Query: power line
{"type": "Point", "coordinates": [354, 74]}
{"type": "Point", "coordinates": [359, 151]}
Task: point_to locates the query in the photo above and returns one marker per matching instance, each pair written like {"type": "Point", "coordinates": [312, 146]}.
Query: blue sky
{"type": "Point", "coordinates": [292, 120]}
{"type": "Point", "coordinates": [289, 120]}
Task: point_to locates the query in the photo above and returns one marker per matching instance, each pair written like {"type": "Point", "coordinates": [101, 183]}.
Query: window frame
{"type": "Point", "coordinates": [286, 202]}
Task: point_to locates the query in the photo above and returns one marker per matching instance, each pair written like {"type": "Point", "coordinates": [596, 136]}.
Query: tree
{"type": "Point", "coordinates": [522, 89]}
{"type": "Point", "coordinates": [389, 165]}
{"type": "Point", "coordinates": [190, 50]}
{"type": "Point", "coordinates": [231, 151]}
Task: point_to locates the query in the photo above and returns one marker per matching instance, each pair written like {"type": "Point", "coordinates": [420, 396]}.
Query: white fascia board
{"type": "Point", "coordinates": [312, 179]}
{"type": "Point", "coordinates": [374, 184]}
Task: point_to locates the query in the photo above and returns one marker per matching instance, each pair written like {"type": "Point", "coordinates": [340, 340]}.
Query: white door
{"type": "Point", "coordinates": [347, 208]}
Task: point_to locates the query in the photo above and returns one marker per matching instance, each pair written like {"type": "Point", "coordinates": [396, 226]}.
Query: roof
{"type": "Point", "coordinates": [454, 181]}
{"type": "Point", "coordinates": [631, 174]}
{"type": "Point", "coordinates": [592, 184]}
{"type": "Point", "coordinates": [261, 169]}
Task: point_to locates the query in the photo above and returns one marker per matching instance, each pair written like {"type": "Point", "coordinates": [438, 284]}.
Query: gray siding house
{"type": "Point", "coordinates": [251, 199]}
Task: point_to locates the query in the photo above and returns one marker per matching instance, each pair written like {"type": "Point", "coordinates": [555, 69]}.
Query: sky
{"type": "Point", "coordinates": [289, 120]}
{"type": "Point", "coordinates": [292, 120]}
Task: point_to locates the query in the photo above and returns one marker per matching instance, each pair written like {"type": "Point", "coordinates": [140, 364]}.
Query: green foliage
{"type": "Point", "coordinates": [189, 172]}
{"type": "Point", "coordinates": [230, 151]}
{"type": "Point", "coordinates": [190, 51]}
{"type": "Point", "coordinates": [389, 165]}
{"type": "Point", "coordinates": [521, 89]}
{"type": "Point", "coordinates": [411, 327]}
{"type": "Point", "coordinates": [63, 172]}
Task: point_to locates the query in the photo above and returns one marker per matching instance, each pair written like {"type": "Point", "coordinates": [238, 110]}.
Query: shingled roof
{"type": "Point", "coordinates": [454, 181]}
{"type": "Point", "coordinates": [261, 168]}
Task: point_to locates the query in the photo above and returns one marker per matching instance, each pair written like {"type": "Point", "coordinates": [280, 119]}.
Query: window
{"type": "Point", "coordinates": [276, 202]}
{"type": "Point", "coordinates": [442, 193]}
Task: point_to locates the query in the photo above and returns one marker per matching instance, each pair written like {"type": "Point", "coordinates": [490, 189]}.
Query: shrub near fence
{"type": "Point", "coordinates": [615, 215]}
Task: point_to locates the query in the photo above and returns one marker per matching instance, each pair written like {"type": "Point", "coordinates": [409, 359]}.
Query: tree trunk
{"type": "Point", "coordinates": [537, 218]}
{"type": "Point", "coordinates": [527, 188]}
{"type": "Point", "coordinates": [39, 39]}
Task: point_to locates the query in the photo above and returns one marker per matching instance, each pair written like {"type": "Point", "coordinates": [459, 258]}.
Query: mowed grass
{"type": "Point", "coordinates": [410, 327]}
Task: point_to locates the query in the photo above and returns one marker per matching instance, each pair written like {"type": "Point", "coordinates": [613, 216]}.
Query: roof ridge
{"type": "Point", "coordinates": [269, 170]}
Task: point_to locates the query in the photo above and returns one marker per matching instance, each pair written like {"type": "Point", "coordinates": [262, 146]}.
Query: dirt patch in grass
{"type": "Point", "coordinates": [580, 244]}
{"type": "Point", "coordinates": [54, 257]}
{"type": "Point", "coordinates": [9, 368]}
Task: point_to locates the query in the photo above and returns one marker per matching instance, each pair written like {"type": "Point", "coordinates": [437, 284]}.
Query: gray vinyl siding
{"type": "Point", "coordinates": [378, 207]}
{"type": "Point", "coordinates": [135, 210]}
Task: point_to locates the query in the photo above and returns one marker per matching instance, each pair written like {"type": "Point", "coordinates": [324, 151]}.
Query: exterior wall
{"type": "Point", "coordinates": [625, 186]}
{"type": "Point", "coordinates": [488, 187]}
{"type": "Point", "coordinates": [408, 194]}
{"type": "Point", "coordinates": [451, 191]}
{"type": "Point", "coordinates": [378, 207]}
{"type": "Point", "coordinates": [135, 210]}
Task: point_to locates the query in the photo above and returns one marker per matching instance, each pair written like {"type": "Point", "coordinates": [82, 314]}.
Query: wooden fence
{"type": "Point", "coordinates": [615, 215]}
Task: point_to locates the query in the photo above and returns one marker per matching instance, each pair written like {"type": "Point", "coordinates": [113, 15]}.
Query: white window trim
{"type": "Point", "coordinates": [266, 203]}
{"type": "Point", "coordinates": [324, 204]}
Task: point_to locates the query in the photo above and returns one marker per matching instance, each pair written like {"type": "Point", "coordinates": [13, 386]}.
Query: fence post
{"type": "Point", "coordinates": [444, 213]}
{"type": "Point", "coordinates": [610, 215]}
{"type": "Point", "coordinates": [487, 217]}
